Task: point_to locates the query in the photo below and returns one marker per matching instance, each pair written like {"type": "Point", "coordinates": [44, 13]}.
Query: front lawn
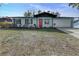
{"type": "Point", "coordinates": [20, 42]}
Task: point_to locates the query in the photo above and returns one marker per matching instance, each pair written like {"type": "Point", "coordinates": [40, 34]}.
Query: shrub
{"type": "Point", "coordinates": [5, 24]}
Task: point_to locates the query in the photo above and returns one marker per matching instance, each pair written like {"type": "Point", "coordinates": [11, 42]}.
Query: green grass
{"type": "Point", "coordinates": [19, 42]}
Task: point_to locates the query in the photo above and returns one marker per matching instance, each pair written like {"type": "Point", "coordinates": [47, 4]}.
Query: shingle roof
{"type": "Point", "coordinates": [45, 14]}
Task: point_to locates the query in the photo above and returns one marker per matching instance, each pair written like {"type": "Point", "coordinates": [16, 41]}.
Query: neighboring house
{"type": "Point", "coordinates": [5, 19]}
{"type": "Point", "coordinates": [43, 20]}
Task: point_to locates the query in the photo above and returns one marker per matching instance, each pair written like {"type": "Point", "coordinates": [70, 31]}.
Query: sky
{"type": "Point", "coordinates": [18, 9]}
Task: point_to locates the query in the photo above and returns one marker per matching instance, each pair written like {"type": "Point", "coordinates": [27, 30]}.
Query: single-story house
{"type": "Point", "coordinates": [43, 20]}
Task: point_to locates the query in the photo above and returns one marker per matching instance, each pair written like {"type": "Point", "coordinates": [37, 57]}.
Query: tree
{"type": "Point", "coordinates": [39, 11]}
{"type": "Point", "coordinates": [48, 11]}
{"type": "Point", "coordinates": [57, 13]}
{"type": "Point", "coordinates": [25, 14]}
{"type": "Point", "coordinates": [76, 5]}
{"type": "Point", "coordinates": [52, 12]}
{"type": "Point", "coordinates": [28, 14]}
{"type": "Point", "coordinates": [33, 12]}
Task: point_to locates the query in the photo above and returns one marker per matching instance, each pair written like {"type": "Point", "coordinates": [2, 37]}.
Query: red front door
{"type": "Point", "coordinates": [40, 23]}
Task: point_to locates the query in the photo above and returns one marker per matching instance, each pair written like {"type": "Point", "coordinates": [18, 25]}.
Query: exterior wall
{"type": "Point", "coordinates": [62, 22]}
{"type": "Point", "coordinates": [16, 25]}
{"type": "Point", "coordinates": [53, 22]}
{"type": "Point", "coordinates": [30, 22]}
{"type": "Point", "coordinates": [43, 21]}
{"type": "Point", "coordinates": [22, 22]}
{"type": "Point", "coordinates": [35, 21]}
{"type": "Point", "coordinates": [47, 25]}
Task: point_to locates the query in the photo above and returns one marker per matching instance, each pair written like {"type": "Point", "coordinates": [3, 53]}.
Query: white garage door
{"type": "Point", "coordinates": [61, 23]}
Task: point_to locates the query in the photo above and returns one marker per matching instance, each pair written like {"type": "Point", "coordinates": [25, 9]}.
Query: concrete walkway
{"type": "Point", "coordinates": [73, 32]}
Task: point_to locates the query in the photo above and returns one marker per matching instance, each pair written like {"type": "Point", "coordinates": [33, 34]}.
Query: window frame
{"type": "Point", "coordinates": [46, 21]}
{"type": "Point", "coordinates": [18, 21]}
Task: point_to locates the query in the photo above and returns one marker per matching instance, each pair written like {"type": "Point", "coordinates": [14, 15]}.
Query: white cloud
{"type": "Point", "coordinates": [45, 8]}
{"type": "Point", "coordinates": [40, 7]}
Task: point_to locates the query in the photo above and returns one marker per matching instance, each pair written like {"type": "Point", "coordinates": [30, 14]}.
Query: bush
{"type": "Point", "coordinates": [5, 24]}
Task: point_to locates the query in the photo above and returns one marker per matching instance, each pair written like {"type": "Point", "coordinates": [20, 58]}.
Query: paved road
{"type": "Point", "coordinates": [73, 32]}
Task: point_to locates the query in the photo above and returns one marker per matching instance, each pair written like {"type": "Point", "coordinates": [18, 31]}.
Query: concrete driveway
{"type": "Point", "coordinates": [71, 31]}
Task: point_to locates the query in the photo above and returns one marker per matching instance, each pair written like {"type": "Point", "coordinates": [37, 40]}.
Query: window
{"type": "Point", "coordinates": [31, 21]}
{"type": "Point", "coordinates": [26, 21]}
{"type": "Point", "coordinates": [18, 21]}
{"type": "Point", "coordinates": [46, 21]}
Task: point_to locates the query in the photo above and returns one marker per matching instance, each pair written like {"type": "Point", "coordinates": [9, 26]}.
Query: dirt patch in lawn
{"type": "Point", "coordinates": [37, 42]}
